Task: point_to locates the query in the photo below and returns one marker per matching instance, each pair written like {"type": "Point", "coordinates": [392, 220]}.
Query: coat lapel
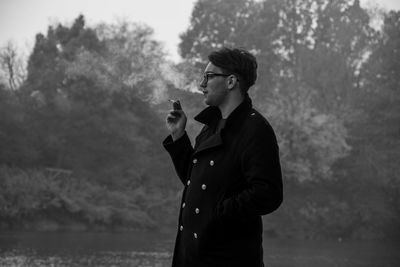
{"type": "Point", "coordinates": [214, 140]}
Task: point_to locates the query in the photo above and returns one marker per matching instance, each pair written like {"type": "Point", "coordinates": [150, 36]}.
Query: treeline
{"type": "Point", "coordinates": [93, 103]}
{"type": "Point", "coordinates": [80, 137]}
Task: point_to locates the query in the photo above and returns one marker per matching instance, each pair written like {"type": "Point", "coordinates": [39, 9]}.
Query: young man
{"type": "Point", "coordinates": [232, 175]}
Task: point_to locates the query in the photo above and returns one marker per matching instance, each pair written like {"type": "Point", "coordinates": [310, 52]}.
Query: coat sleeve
{"type": "Point", "coordinates": [262, 192]}
{"type": "Point", "coordinates": [180, 151]}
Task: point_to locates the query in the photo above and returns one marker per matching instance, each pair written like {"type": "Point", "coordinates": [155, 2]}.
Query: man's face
{"type": "Point", "coordinates": [214, 88]}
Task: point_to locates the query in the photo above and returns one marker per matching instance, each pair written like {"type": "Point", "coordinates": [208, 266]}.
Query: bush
{"type": "Point", "coordinates": [31, 194]}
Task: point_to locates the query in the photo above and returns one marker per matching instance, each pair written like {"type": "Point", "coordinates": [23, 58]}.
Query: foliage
{"type": "Point", "coordinates": [135, 58]}
{"type": "Point", "coordinates": [293, 46]}
{"type": "Point", "coordinates": [85, 113]}
{"type": "Point", "coordinates": [79, 111]}
{"type": "Point", "coordinates": [310, 142]}
{"type": "Point", "coordinates": [28, 195]}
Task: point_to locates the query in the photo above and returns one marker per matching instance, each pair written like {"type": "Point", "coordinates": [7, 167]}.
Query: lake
{"type": "Point", "coordinates": [153, 249]}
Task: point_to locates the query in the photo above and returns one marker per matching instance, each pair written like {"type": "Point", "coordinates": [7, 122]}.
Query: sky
{"type": "Point", "coordinates": [21, 20]}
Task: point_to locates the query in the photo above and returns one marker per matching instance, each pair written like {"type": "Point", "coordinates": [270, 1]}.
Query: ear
{"type": "Point", "coordinates": [232, 82]}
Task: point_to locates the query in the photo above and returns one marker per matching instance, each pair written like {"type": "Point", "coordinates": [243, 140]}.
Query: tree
{"type": "Point", "coordinates": [91, 117]}
{"type": "Point", "coordinates": [213, 25]}
{"type": "Point", "coordinates": [282, 35]}
{"type": "Point", "coordinates": [376, 134]}
{"type": "Point", "coordinates": [87, 107]}
{"type": "Point", "coordinates": [136, 59]}
{"type": "Point", "coordinates": [51, 53]}
{"type": "Point", "coordinates": [12, 66]}
{"type": "Point", "coordinates": [344, 34]}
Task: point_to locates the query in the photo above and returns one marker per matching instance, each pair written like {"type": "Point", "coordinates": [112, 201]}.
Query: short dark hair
{"type": "Point", "coordinates": [237, 61]}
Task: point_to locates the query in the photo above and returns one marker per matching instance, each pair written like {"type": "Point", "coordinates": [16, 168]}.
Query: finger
{"type": "Point", "coordinates": [171, 118]}
{"type": "Point", "coordinates": [176, 113]}
{"type": "Point", "coordinates": [177, 105]}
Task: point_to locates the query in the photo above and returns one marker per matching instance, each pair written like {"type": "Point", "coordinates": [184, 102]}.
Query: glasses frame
{"type": "Point", "coordinates": [209, 74]}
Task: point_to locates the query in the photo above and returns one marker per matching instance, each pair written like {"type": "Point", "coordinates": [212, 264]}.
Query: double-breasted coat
{"type": "Point", "coordinates": [231, 177]}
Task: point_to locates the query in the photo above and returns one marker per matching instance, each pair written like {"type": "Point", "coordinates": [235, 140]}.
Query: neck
{"type": "Point", "coordinates": [232, 102]}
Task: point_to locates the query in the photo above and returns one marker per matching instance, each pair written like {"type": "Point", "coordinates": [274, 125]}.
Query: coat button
{"type": "Point", "coordinates": [203, 186]}
{"type": "Point", "coordinates": [181, 227]}
{"type": "Point", "coordinates": [212, 163]}
{"type": "Point", "coordinates": [188, 182]}
{"type": "Point", "coordinates": [197, 210]}
{"type": "Point", "coordinates": [183, 205]}
{"type": "Point", "coordinates": [194, 161]}
{"type": "Point", "coordinates": [195, 235]}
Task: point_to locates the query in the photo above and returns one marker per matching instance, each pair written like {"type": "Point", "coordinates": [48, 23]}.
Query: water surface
{"type": "Point", "coordinates": [154, 249]}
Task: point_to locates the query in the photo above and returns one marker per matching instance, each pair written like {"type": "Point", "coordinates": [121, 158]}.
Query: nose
{"type": "Point", "coordinates": [203, 83]}
{"type": "Point", "coordinates": [200, 88]}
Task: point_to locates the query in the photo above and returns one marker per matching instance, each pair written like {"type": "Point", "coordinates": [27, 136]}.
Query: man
{"type": "Point", "coordinates": [232, 175]}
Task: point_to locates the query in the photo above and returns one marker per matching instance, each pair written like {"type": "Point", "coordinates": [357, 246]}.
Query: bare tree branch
{"type": "Point", "coordinates": [12, 65]}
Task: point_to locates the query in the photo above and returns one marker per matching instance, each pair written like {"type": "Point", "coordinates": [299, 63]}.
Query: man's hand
{"type": "Point", "coordinates": [176, 121]}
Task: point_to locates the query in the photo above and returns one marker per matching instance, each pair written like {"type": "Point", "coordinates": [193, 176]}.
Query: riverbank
{"type": "Point", "coordinates": [45, 225]}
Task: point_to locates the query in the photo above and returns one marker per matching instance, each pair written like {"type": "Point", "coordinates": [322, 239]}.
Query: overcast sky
{"type": "Point", "coordinates": [21, 20]}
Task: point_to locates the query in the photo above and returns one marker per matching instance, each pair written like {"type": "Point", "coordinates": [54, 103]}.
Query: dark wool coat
{"type": "Point", "coordinates": [232, 177]}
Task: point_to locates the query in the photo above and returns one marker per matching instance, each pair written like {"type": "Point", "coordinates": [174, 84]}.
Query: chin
{"type": "Point", "coordinates": [210, 102]}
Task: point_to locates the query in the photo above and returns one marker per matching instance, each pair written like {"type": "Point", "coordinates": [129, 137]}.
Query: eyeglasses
{"type": "Point", "coordinates": [208, 75]}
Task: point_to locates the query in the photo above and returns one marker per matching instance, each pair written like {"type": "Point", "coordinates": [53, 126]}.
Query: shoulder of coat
{"type": "Point", "coordinates": [257, 116]}
{"type": "Point", "coordinates": [257, 121]}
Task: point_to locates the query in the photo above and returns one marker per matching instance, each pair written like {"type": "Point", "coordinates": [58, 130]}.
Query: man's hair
{"type": "Point", "coordinates": [237, 61]}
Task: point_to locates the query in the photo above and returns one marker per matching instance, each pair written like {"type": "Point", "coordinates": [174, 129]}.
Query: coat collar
{"type": "Point", "coordinates": [211, 115]}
